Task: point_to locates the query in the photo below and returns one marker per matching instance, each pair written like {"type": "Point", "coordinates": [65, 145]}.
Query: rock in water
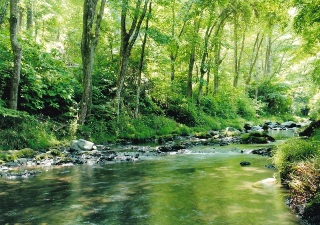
{"type": "Point", "coordinates": [269, 182]}
{"type": "Point", "coordinates": [81, 145]}
{"type": "Point", "coordinates": [245, 163]}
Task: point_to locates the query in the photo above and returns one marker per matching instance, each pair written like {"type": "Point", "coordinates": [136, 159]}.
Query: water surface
{"type": "Point", "coordinates": [197, 189]}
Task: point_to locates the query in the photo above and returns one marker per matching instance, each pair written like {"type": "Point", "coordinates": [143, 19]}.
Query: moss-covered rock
{"type": "Point", "coordinates": [256, 138]}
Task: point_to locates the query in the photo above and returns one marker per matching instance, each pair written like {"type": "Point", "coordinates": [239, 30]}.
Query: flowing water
{"type": "Point", "coordinates": [205, 187]}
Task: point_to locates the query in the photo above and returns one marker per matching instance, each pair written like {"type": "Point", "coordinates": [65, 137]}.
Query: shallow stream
{"type": "Point", "coordinates": [207, 186]}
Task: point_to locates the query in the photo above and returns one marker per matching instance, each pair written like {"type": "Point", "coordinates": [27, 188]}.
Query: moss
{"type": "Point", "coordinates": [26, 153]}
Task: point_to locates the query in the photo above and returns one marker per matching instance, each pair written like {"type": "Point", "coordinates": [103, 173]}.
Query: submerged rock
{"type": "Point", "coordinates": [245, 163]}
{"type": "Point", "coordinates": [269, 182]}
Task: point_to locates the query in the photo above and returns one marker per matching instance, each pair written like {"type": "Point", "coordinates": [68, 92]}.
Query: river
{"type": "Point", "coordinates": [207, 186]}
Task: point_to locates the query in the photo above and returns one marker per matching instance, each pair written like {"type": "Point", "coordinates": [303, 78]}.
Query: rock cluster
{"type": "Point", "coordinates": [269, 125]}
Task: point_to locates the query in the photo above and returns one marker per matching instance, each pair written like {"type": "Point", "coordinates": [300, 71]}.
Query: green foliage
{"type": "Point", "coordinates": [228, 104]}
{"type": "Point", "coordinates": [275, 96]}
{"type": "Point", "coordinates": [182, 111]}
{"type": "Point", "coordinates": [293, 151]}
{"type": "Point", "coordinates": [307, 20]}
{"type": "Point", "coordinates": [138, 130]}
{"type": "Point", "coordinates": [20, 130]}
{"type": "Point", "coordinates": [46, 86]}
{"type": "Point", "coordinates": [157, 36]}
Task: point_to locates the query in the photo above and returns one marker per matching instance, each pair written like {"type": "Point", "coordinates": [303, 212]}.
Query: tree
{"type": "Point", "coordinates": [307, 20]}
{"type": "Point", "coordinates": [92, 16]}
{"type": "Point", "coordinates": [30, 16]}
{"type": "Point", "coordinates": [192, 55]}
{"type": "Point", "coordinates": [141, 62]}
{"type": "Point", "coordinates": [3, 10]}
{"type": "Point", "coordinates": [17, 54]}
{"type": "Point", "coordinates": [128, 38]}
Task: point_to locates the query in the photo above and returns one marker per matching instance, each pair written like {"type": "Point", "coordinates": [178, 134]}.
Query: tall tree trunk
{"type": "Point", "coordinates": [204, 64]}
{"type": "Point", "coordinates": [208, 77]}
{"type": "Point", "coordinates": [128, 39]}
{"type": "Point", "coordinates": [268, 59]}
{"type": "Point", "coordinates": [254, 57]}
{"type": "Point", "coordinates": [141, 62]}
{"type": "Point", "coordinates": [217, 62]}
{"type": "Point", "coordinates": [174, 51]}
{"type": "Point", "coordinates": [217, 52]}
{"type": "Point", "coordinates": [3, 11]}
{"type": "Point", "coordinates": [172, 55]}
{"type": "Point", "coordinates": [30, 17]}
{"type": "Point", "coordinates": [17, 54]}
{"type": "Point", "coordinates": [90, 36]}
{"type": "Point", "coordinates": [192, 58]}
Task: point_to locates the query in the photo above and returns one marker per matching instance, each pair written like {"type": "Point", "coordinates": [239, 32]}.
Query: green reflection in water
{"type": "Point", "coordinates": [182, 189]}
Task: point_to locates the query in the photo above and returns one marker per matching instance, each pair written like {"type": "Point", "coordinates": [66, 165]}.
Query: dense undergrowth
{"type": "Point", "coordinates": [298, 161]}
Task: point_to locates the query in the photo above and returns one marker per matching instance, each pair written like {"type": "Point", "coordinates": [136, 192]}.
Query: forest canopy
{"type": "Point", "coordinates": [131, 68]}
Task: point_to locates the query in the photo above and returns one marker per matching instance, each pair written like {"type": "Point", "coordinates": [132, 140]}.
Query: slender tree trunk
{"type": "Point", "coordinates": [208, 78]}
{"type": "Point", "coordinates": [172, 55]}
{"type": "Point", "coordinates": [128, 39]}
{"type": "Point", "coordinates": [174, 51]}
{"type": "Point", "coordinates": [204, 64]}
{"type": "Point", "coordinates": [30, 17]}
{"type": "Point", "coordinates": [190, 71]}
{"type": "Point", "coordinates": [3, 11]}
{"type": "Point", "coordinates": [90, 36]}
{"type": "Point", "coordinates": [217, 53]}
{"type": "Point", "coordinates": [17, 54]}
{"type": "Point", "coordinates": [235, 46]}
{"type": "Point", "coordinates": [192, 59]}
{"type": "Point", "coordinates": [217, 62]}
{"type": "Point", "coordinates": [254, 57]}
{"type": "Point", "coordinates": [142, 56]}
{"type": "Point", "coordinates": [268, 60]}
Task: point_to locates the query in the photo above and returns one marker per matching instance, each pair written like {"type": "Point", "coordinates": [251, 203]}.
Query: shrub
{"type": "Point", "coordinates": [294, 150]}
{"type": "Point", "coordinates": [288, 154]}
{"type": "Point", "coordinates": [182, 111]}
{"type": "Point", "coordinates": [275, 96]}
{"type": "Point", "coordinates": [20, 130]}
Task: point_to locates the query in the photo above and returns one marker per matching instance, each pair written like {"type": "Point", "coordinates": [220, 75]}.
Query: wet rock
{"type": "Point", "coordinates": [245, 163]}
{"type": "Point", "coordinates": [230, 131]}
{"type": "Point", "coordinates": [247, 126]}
{"type": "Point", "coordinates": [262, 151]}
{"type": "Point", "coordinates": [310, 129]}
{"type": "Point", "coordinates": [256, 138]}
{"type": "Point", "coordinates": [170, 148]}
{"type": "Point", "coordinates": [270, 166]}
{"type": "Point", "coordinates": [288, 124]}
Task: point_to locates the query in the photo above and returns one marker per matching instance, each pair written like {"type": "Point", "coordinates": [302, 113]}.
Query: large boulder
{"type": "Point", "coordinates": [82, 145]}
{"type": "Point", "coordinates": [289, 124]}
{"type": "Point", "coordinates": [310, 129]}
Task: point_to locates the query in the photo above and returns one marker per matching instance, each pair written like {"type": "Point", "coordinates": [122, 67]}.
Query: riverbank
{"type": "Point", "coordinates": [24, 163]}
{"type": "Point", "coordinates": [298, 162]}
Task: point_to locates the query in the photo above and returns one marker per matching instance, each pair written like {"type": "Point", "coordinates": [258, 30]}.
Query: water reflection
{"type": "Point", "coordinates": [182, 189]}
